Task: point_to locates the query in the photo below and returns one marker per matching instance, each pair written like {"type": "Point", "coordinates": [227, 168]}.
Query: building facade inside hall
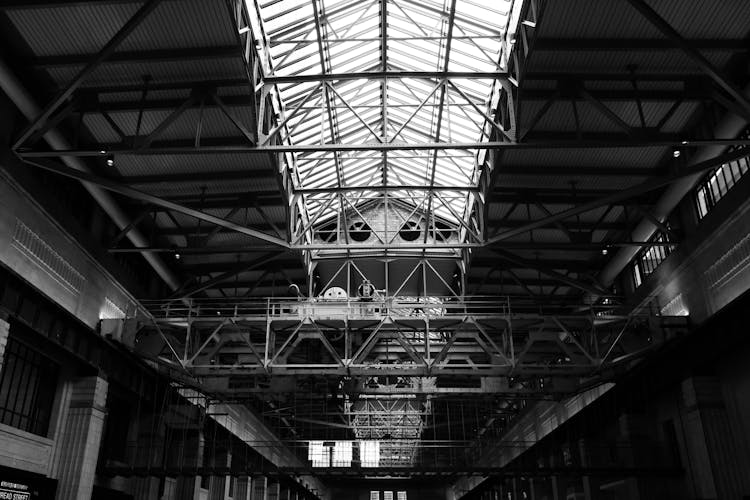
{"type": "Point", "coordinates": [384, 250]}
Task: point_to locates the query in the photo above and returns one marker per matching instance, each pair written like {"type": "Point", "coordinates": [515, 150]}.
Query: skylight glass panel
{"type": "Point", "coordinates": [301, 39]}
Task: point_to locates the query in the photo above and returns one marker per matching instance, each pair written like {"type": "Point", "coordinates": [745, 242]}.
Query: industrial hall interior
{"type": "Point", "coordinates": [374, 249]}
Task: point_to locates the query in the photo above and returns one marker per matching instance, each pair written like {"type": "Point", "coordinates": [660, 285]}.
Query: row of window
{"type": "Point", "coordinates": [718, 183]}
{"type": "Point", "coordinates": [387, 495]}
{"type": "Point", "coordinates": [28, 382]}
{"type": "Point", "coordinates": [650, 257]}
{"type": "Point", "coordinates": [707, 194]}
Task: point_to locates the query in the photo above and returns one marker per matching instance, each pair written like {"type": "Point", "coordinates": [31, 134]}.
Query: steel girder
{"type": "Point", "coordinates": [409, 342]}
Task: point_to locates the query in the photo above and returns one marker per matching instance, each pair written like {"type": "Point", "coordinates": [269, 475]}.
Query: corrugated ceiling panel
{"type": "Point", "coordinates": [581, 182]}
{"type": "Point", "coordinates": [682, 116]}
{"type": "Point", "coordinates": [558, 117]}
{"type": "Point", "coordinates": [152, 95]}
{"type": "Point", "coordinates": [214, 123]}
{"type": "Point", "coordinates": [86, 28]}
{"type": "Point", "coordinates": [100, 130]}
{"type": "Point", "coordinates": [82, 29]}
{"type": "Point", "coordinates": [631, 157]}
{"type": "Point", "coordinates": [727, 19]}
{"type": "Point", "coordinates": [608, 19]}
{"type": "Point", "coordinates": [214, 187]}
{"type": "Point", "coordinates": [653, 62]}
{"type": "Point", "coordinates": [184, 24]}
{"type": "Point", "coordinates": [230, 239]}
{"type": "Point", "coordinates": [129, 165]}
{"type": "Point", "coordinates": [128, 73]}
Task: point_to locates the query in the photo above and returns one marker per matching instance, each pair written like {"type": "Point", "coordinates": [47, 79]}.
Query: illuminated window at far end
{"type": "Point", "coordinates": [369, 453]}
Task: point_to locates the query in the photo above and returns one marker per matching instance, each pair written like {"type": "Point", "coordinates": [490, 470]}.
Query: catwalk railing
{"type": "Point", "coordinates": [225, 344]}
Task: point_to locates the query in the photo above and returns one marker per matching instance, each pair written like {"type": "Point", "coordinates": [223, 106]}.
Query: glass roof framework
{"type": "Point", "coordinates": [385, 42]}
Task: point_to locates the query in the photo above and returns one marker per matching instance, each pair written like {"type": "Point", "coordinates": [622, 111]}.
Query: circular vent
{"type": "Point", "coordinates": [328, 235]}
{"type": "Point", "coordinates": [410, 231]}
{"type": "Point", "coordinates": [360, 231]}
{"type": "Point", "coordinates": [442, 231]}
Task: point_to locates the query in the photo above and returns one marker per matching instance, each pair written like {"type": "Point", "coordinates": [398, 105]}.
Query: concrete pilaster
{"type": "Point", "coordinates": [186, 454]}
{"type": "Point", "coordinates": [286, 493]}
{"type": "Point", "coordinates": [218, 486]}
{"type": "Point", "coordinates": [260, 488]}
{"type": "Point", "coordinates": [170, 489]}
{"type": "Point", "coordinates": [243, 488]}
{"type": "Point", "coordinates": [144, 488]}
{"type": "Point", "coordinates": [559, 488]}
{"type": "Point", "coordinates": [75, 466]}
{"type": "Point", "coordinates": [273, 490]}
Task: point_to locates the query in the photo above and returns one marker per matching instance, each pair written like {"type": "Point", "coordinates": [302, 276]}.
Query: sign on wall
{"type": "Point", "coordinates": [14, 491]}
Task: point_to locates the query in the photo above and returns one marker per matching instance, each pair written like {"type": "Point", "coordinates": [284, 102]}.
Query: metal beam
{"type": "Point", "coordinates": [379, 75]}
{"type": "Point", "coordinates": [631, 45]}
{"type": "Point", "coordinates": [47, 4]}
{"type": "Point", "coordinates": [526, 264]}
{"type": "Point", "coordinates": [93, 64]}
{"type": "Point", "coordinates": [89, 104]}
{"type": "Point", "coordinates": [574, 171]}
{"type": "Point", "coordinates": [614, 198]}
{"type": "Point", "coordinates": [667, 30]}
{"type": "Point", "coordinates": [218, 267]}
{"type": "Point", "coordinates": [554, 141]}
{"type": "Point", "coordinates": [505, 224]}
{"type": "Point", "coordinates": [227, 175]}
{"type": "Point", "coordinates": [237, 270]}
{"type": "Point", "coordinates": [684, 78]}
{"type": "Point", "coordinates": [154, 200]}
{"type": "Point", "coordinates": [141, 56]}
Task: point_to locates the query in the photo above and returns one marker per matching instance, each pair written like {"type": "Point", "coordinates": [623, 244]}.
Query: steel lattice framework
{"type": "Point", "coordinates": [388, 73]}
{"type": "Point", "coordinates": [396, 345]}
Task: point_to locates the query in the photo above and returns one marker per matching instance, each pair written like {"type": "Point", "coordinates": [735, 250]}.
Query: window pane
{"type": "Point", "coordinates": [369, 453]}
{"type": "Point", "coordinates": [28, 382]}
{"type": "Point", "coordinates": [318, 454]}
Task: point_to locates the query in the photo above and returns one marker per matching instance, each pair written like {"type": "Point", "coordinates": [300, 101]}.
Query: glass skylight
{"type": "Point", "coordinates": [390, 57]}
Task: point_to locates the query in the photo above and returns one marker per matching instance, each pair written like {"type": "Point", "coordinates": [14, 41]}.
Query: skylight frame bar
{"type": "Point", "coordinates": [344, 6]}
{"type": "Point", "coordinates": [425, 5]}
{"type": "Point", "coordinates": [345, 35]}
{"type": "Point", "coordinates": [286, 119]}
{"type": "Point", "coordinates": [439, 120]}
{"type": "Point", "coordinates": [393, 39]}
{"type": "Point", "coordinates": [283, 65]}
{"type": "Point", "coordinates": [437, 43]}
{"type": "Point", "coordinates": [393, 73]}
{"type": "Point", "coordinates": [483, 50]}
